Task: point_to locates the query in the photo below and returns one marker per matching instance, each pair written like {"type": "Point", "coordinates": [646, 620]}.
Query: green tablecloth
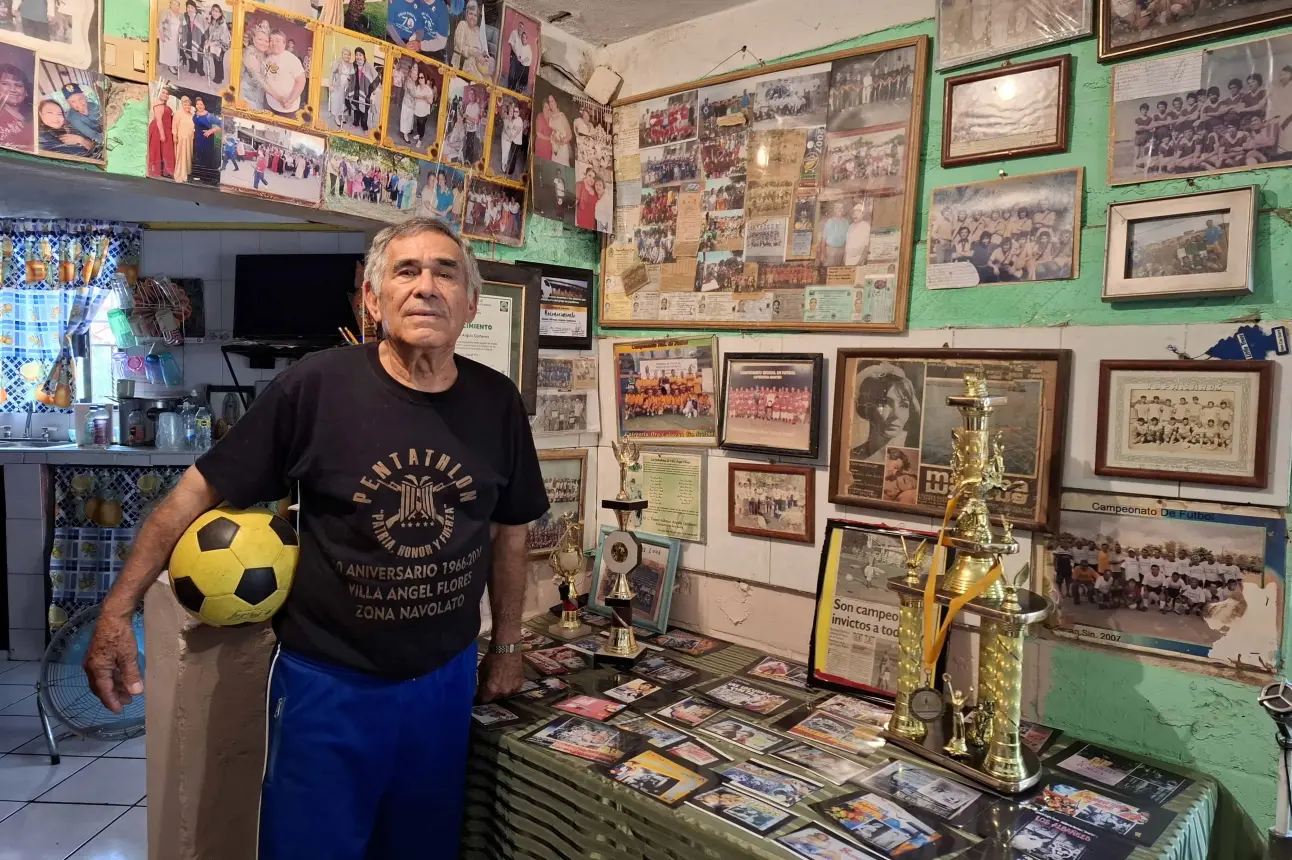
{"type": "Point", "coordinates": [528, 803]}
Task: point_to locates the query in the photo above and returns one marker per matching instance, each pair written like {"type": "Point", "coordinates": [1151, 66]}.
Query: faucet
{"type": "Point", "coordinates": [26, 430]}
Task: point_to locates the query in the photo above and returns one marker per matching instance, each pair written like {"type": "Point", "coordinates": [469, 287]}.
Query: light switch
{"type": "Point", "coordinates": [141, 62]}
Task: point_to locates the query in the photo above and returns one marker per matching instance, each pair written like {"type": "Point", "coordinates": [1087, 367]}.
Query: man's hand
{"type": "Point", "coordinates": [112, 662]}
{"type": "Point", "coordinates": [500, 676]}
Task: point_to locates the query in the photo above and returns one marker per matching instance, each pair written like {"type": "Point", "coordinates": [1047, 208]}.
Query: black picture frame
{"type": "Point", "coordinates": [555, 341]}
{"type": "Point", "coordinates": [527, 279]}
{"type": "Point", "coordinates": [817, 360]}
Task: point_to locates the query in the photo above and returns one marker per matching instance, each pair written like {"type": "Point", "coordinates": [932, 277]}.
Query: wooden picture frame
{"type": "Point", "coordinates": [548, 527]}
{"type": "Point", "coordinates": [1052, 22]}
{"type": "Point", "coordinates": [917, 382]}
{"type": "Point", "coordinates": [779, 371]}
{"type": "Point", "coordinates": [521, 284]}
{"type": "Point", "coordinates": [1022, 88]}
{"type": "Point", "coordinates": [1170, 445]}
{"type": "Point", "coordinates": [816, 143]}
{"type": "Point", "coordinates": [1204, 246]}
{"type": "Point", "coordinates": [652, 615]}
{"type": "Point", "coordinates": [808, 506]}
{"type": "Point", "coordinates": [1195, 32]}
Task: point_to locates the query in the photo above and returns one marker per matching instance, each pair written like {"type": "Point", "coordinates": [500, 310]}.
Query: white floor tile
{"type": "Point", "coordinates": [48, 831]}
{"type": "Point", "coordinates": [11, 693]}
{"type": "Point", "coordinates": [119, 781]}
{"type": "Point", "coordinates": [26, 777]}
{"type": "Point", "coordinates": [124, 839]}
{"type": "Point", "coordinates": [9, 807]}
{"type": "Point", "coordinates": [133, 748]}
{"type": "Point", "coordinates": [16, 731]}
{"type": "Point", "coordinates": [70, 745]}
{"type": "Point", "coordinates": [144, 802]}
{"type": "Point", "coordinates": [25, 673]}
{"type": "Point", "coordinates": [24, 707]}
{"type": "Point", "coordinates": [6, 665]}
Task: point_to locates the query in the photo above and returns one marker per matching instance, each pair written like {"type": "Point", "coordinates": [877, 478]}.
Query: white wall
{"type": "Point", "coordinates": [770, 29]}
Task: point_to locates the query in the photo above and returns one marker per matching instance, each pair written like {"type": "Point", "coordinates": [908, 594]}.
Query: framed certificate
{"type": "Point", "coordinates": [504, 333]}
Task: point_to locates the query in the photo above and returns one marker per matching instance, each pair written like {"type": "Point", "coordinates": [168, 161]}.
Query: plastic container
{"type": "Point", "coordinates": [171, 374]}
{"type": "Point", "coordinates": [202, 438]}
{"type": "Point", "coordinates": [120, 325]}
{"type": "Point", "coordinates": [170, 432]}
{"type": "Point", "coordinates": [153, 369]}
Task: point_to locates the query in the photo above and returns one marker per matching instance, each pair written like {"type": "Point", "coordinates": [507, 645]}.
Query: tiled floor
{"type": "Point", "coordinates": [91, 806]}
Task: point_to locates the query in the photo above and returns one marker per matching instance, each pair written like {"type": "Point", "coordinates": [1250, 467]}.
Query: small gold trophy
{"type": "Point", "coordinates": [567, 565]}
{"type": "Point", "coordinates": [622, 553]}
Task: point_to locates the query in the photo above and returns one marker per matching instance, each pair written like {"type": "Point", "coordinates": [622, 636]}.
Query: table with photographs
{"type": "Point", "coordinates": [526, 802]}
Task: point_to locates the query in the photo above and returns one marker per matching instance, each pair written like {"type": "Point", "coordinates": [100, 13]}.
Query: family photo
{"type": "Point", "coordinates": [413, 110]}
{"type": "Point", "coordinates": [194, 40]}
{"type": "Point", "coordinates": [520, 49]}
{"type": "Point", "coordinates": [185, 139]}
{"type": "Point", "coordinates": [277, 57]}
{"type": "Point", "coordinates": [509, 143]}
{"type": "Point", "coordinates": [272, 161]}
{"type": "Point", "coordinates": [441, 192]}
{"type": "Point", "coordinates": [466, 118]}
{"type": "Point", "coordinates": [369, 181]}
{"type": "Point", "coordinates": [60, 31]}
{"type": "Point", "coordinates": [17, 77]}
{"type": "Point", "coordinates": [494, 212]}
{"type": "Point", "coordinates": [351, 86]}
{"type": "Point", "coordinates": [453, 32]}
{"type": "Point", "coordinates": [69, 113]}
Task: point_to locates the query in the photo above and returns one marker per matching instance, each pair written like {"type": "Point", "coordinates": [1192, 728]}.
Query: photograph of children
{"type": "Point", "coordinates": [768, 404]}
{"type": "Point", "coordinates": [520, 47]}
{"type": "Point", "coordinates": [689, 711]}
{"type": "Point", "coordinates": [741, 809]}
{"type": "Point", "coordinates": [420, 26]}
{"type": "Point", "coordinates": [886, 827]}
{"type": "Point", "coordinates": [871, 90]}
{"type": "Point", "coordinates": [585, 739]}
{"type": "Point", "coordinates": [17, 77]}
{"type": "Point", "coordinates": [818, 761]}
{"type": "Point", "coordinates": [724, 153]}
{"type": "Point", "coordinates": [509, 140]}
{"type": "Point", "coordinates": [589, 706]}
{"type": "Point", "coordinates": [697, 752]}
{"type": "Point", "coordinates": [657, 734]}
{"type": "Point", "coordinates": [689, 643]}
{"type": "Point", "coordinates": [350, 85]}
{"type": "Point", "coordinates": [563, 481]}
{"type": "Point", "coordinates": [494, 212]}
{"type": "Point", "coordinates": [813, 843]}
{"type": "Point", "coordinates": [972, 30]}
{"type": "Point", "coordinates": [657, 776]}
{"type": "Point", "coordinates": [1036, 836]}
{"type": "Point", "coordinates": [413, 110]}
{"type": "Point", "coordinates": [60, 31]}
{"type": "Point", "coordinates": [193, 141]}
{"type": "Point", "coordinates": [771, 501]}
{"type": "Point", "coordinates": [839, 734]}
{"type": "Point", "coordinates": [794, 99]}
{"type": "Point", "coordinates": [664, 669]}
{"type": "Point", "coordinates": [1127, 30]}
{"type": "Point", "coordinates": [856, 710]}
{"type": "Point", "coordinates": [669, 119]}
{"type": "Point", "coordinates": [1231, 109]}
{"type": "Point", "coordinates": [920, 787]}
{"type": "Point", "coordinates": [773, 784]}
{"type": "Point", "coordinates": [474, 48]}
{"type": "Point", "coordinates": [1183, 245]}
{"type": "Point", "coordinates": [366, 180]}
{"type": "Point", "coordinates": [1022, 228]}
{"type": "Point", "coordinates": [194, 40]}
{"type": "Point", "coordinates": [493, 716]}
{"type": "Point", "coordinates": [466, 115]}
{"type": "Point", "coordinates": [69, 116]}
{"type": "Point", "coordinates": [441, 192]}
{"type": "Point", "coordinates": [746, 697]}
{"type": "Point", "coordinates": [873, 161]}
{"type": "Point", "coordinates": [630, 692]}
{"type": "Point", "coordinates": [780, 670]}
{"type": "Point", "coordinates": [277, 60]}
{"type": "Point", "coordinates": [272, 162]}
{"type": "Point", "coordinates": [1147, 785]}
{"type": "Point", "coordinates": [742, 734]}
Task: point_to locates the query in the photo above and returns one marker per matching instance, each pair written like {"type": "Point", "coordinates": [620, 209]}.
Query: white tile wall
{"type": "Point", "coordinates": [25, 560]}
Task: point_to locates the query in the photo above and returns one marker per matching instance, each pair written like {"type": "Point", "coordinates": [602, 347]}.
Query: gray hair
{"type": "Point", "coordinates": [378, 258]}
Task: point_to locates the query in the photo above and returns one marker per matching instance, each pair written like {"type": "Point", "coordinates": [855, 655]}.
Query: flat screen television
{"type": "Point", "coordinates": [285, 298]}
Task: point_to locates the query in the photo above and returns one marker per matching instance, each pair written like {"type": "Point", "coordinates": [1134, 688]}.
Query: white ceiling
{"type": "Point", "coordinates": [602, 22]}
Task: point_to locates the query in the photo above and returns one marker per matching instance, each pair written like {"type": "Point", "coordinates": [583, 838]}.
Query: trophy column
{"type": "Point", "coordinates": [1004, 759]}
{"type": "Point", "coordinates": [622, 554]}
{"type": "Point", "coordinates": [910, 651]}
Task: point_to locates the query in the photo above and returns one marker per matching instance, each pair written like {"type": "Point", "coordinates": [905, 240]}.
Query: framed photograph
{"type": "Point", "coordinates": [665, 390]}
{"type": "Point", "coordinates": [564, 473]}
{"type": "Point", "coordinates": [353, 166]}
{"type": "Point", "coordinates": [565, 306]}
{"type": "Point", "coordinates": [770, 403]}
{"type": "Point", "coordinates": [970, 31]}
{"type": "Point", "coordinates": [1017, 229]}
{"type": "Point", "coordinates": [413, 104]}
{"type": "Point", "coordinates": [1086, 806]}
{"type": "Point", "coordinates": [652, 581]}
{"type": "Point", "coordinates": [1010, 112]}
{"type": "Point", "coordinates": [69, 117]}
{"type": "Point", "coordinates": [1178, 579]}
{"type": "Point", "coordinates": [573, 159]}
{"type": "Point", "coordinates": [891, 445]}
{"type": "Point", "coordinates": [1202, 112]}
{"type": "Point", "coordinates": [1131, 30]}
{"type": "Point", "coordinates": [519, 47]}
{"type": "Point", "coordinates": [495, 213]}
{"type": "Point", "coordinates": [196, 135]}
{"type": "Point", "coordinates": [193, 42]}
{"type": "Point", "coordinates": [273, 61]}
{"type": "Point", "coordinates": [441, 192]}
{"type": "Point", "coordinates": [1204, 422]}
{"type": "Point", "coordinates": [17, 128]}
{"type": "Point", "coordinates": [508, 155]}
{"type": "Point", "coordinates": [269, 161]}
{"type": "Point", "coordinates": [67, 33]}
{"type": "Point", "coordinates": [769, 500]}
{"type": "Point", "coordinates": [1187, 245]}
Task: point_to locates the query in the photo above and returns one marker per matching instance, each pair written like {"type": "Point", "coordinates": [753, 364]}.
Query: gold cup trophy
{"type": "Point", "coordinates": [983, 743]}
{"type": "Point", "coordinates": [566, 561]}
{"type": "Point", "coordinates": [622, 553]}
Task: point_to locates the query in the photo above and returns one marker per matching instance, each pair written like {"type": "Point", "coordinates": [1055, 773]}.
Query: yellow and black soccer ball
{"type": "Point", "coordinates": [234, 567]}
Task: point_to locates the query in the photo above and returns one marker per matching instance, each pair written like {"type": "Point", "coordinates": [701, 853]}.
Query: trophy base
{"type": "Point", "coordinates": [623, 662]}
{"type": "Point", "coordinates": [930, 747]}
{"type": "Point", "coordinates": [569, 634]}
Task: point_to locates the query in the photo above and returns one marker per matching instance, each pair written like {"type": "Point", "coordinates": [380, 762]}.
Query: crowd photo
{"type": "Point", "coordinates": [670, 164]}
{"type": "Point", "coordinates": [365, 180]}
{"type": "Point", "coordinates": [277, 56]}
{"type": "Point", "coordinates": [1195, 423]}
{"type": "Point", "coordinates": [193, 44]}
{"type": "Point", "coordinates": [350, 97]}
{"type": "Point", "coordinates": [494, 211]}
{"type": "Point", "coordinates": [271, 160]}
{"type": "Point", "coordinates": [670, 119]}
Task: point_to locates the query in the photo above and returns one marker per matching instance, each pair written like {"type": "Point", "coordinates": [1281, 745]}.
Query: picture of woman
{"type": "Point", "coordinates": [192, 39]}
{"type": "Point", "coordinates": [359, 96]}
{"type": "Point", "coordinates": [889, 405]}
{"type": "Point", "coordinates": [168, 38]}
{"type": "Point", "coordinates": [562, 133]}
{"type": "Point", "coordinates": [55, 136]}
{"type": "Point", "coordinates": [467, 112]}
{"type": "Point", "coordinates": [218, 40]}
{"type": "Point", "coordinates": [510, 139]}
{"type": "Point", "coordinates": [183, 129]}
{"type": "Point", "coordinates": [340, 82]}
{"type": "Point", "coordinates": [161, 138]}
{"type": "Point", "coordinates": [520, 47]}
{"type": "Point", "coordinates": [17, 68]}
{"type": "Point", "coordinates": [206, 143]}
{"type": "Point", "coordinates": [276, 57]}
{"type": "Point", "coordinates": [470, 44]}
{"type": "Point", "coordinates": [413, 113]}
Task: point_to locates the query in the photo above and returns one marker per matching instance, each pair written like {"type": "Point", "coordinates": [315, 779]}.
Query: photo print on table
{"type": "Point", "coordinates": [441, 192]}
{"type": "Point", "coordinates": [742, 734]}
{"type": "Point", "coordinates": [664, 669]}
{"type": "Point", "coordinates": [658, 777]}
{"type": "Point", "coordinates": [274, 57]}
{"type": "Point", "coordinates": [887, 828]}
{"type": "Point", "coordinates": [195, 143]}
{"type": "Point", "coordinates": [589, 706]}
{"type": "Point", "coordinates": [413, 108]}
{"type": "Point", "coordinates": [1145, 784]}
{"type": "Point", "coordinates": [656, 733]}
{"type": "Point", "coordinates": [690, 711]}
{"type": "Point", "coordinates": [770, 783]}
{"type": "Point", "coordinates": [838, 734]}
{"type": "Point", "coordinates": [741, 809]}
{"type": "Point", "coordinates": [69, 115]}
{"type": "Point", "coordinates": [194, 44]}
{"type": "Point", "coordinates": [369, 181]}
{"type": "Point", "coordinates": [813, 843]}
{"type": "Point", "coordinates": [270, 161]}
{"type": "Point", "coordinates": [697, 752]}
{"type": "Point", "coordinates": [1087, 807]}
{"type": "Point", "coordinates": [925, 789]}
{"type": "Point", "coordinates": [781, 671]}
{"type": "Point", "coordinates": [585, 739]}
{"type": "Point", "coordinates": [1037, 836]}
{"type": "Point", "coordinates": [818, 761]}
{"type": "Point", "coordinates": [745, 697]}
{"type": "Point", "coordinates": [351, 80]}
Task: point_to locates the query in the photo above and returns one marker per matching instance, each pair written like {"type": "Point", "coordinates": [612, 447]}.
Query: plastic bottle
{"type": "Point", "coordinates": [188, 417]}
{"type": "Point", "coordinates": [98, 424]}
{"type": "Point", "coordinates": [135, 427]}
{"type": "Point", "coordinates": [202, 440]}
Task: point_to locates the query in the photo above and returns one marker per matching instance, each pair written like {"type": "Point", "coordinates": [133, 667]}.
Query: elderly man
{"type": "Point", "coordinates": [417, 476]}
{"type": "Point", "coordinates": [85, 118]}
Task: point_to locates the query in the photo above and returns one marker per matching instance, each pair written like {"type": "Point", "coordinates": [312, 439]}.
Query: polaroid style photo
{"type": "Point", "coordinates": [920, 787]}
{"type": "Point", "coordinates": [838, 734]}
{"type": "Point", "coordinates": [656, 734]}
{"type": "Point", "coordinates": [637, 688]}
{"type": "Point", "coordinates": [690, 711]}
{"type": "Point", "coordinates": [770, 783]}
{"type": "Point", "coordinates": [780, 671]}
{"type": "Point", "coordinates": [658, 777]}
{"type": "Point", "coordinates": [743, 810]}
{"type": "Point", "coordinates": [742, 734]}
{"type": "Point", "coordinates": [689, 643]}
{"type": "Point", "coordinates": [832, 767]}
{"type": "Point", "coordinates": [589, 706]}
{"type": "Point", "coordinates": [541, 689]}
{"type": "Point", "coordinates": [813, 843]}
{"type": "Point", "coordinates": [585, 739]}
{"type": "Point", "coordinates": [664, 670]}
{"type": "Point", "coordinates": [494, 716]}
{"type": "Point", "coordinates": [698, 752]}
{"type": "Point", "coordinates": [856, 710]}
{"type": "Point", "coordinates": [746, 697]}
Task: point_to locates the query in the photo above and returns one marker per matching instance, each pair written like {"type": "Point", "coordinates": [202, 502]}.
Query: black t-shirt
{"type": "Point", "coordinates": [397, 489]}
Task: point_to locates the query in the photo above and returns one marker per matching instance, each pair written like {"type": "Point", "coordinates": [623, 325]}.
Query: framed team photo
{"type": "Point", "coordinates": [1190, 244]}
{"type": "Point", "coordinates": [1010, 112]}
{"type": "Point", "coordinates": [770, 403]}
{"type": "Point", "coordinates": [1203, 422]}
{"type": "Point", "coordinates": [652, 581]}
{"type": "Point", "coordinates": [970, 31]}
{"type": "Point", "coordinates": [564, 472]}
{"type": "Point", "coordinates": [665, 390]}
{"type": "Point", "coordinates": [1131, 29]}
{"type": "Point", "coordinates": [773, 501]}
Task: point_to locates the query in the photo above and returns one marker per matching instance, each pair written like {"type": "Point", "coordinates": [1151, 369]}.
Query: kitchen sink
{"type": "Point", "coordinates": [33, 443]}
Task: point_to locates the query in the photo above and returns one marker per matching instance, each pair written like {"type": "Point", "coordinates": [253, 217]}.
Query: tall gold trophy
{"type": "Point", "coordinates": [566, 561]}
{"type": "Point", "coordinates": [983, 743]}
{"type": "Point", "coordinates": [622, 553]}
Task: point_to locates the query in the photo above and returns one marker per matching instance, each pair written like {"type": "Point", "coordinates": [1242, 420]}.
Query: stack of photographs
{"type": "Point", "coordinates": [745, 697]}
{"type": "Point", "coordinates": [659, 777]}
{"type": "Point", "coordinates": [831, 731]}
{"type": "Point", "coordinates": [888, 829]}
{"type": "Point", "coordinates": [1145, 784]}
{"type": "Point", "coordinates": [768, 782]}
{"type": "Point", "coordinates": [755, 815]}
{"type": "Point", "coordinates": [656, 734]}
{"type": "Point", "coordinates": [926, 789]}
{"type": "Point", "coordinates": [780, 671]}
{"type": "Point", "coordinates": [690, 711]}
{"type": "Point", "coordinates": [556, 661]}
{"type": "Point", "coordinates": [832, 767]}
{"type": "Point", "coordinates": [1085, 806]}
{"type": "Point", "coordinates": [742, 734]}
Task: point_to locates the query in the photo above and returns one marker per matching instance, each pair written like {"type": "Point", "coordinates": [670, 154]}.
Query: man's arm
{"type": "Point", "coordinates": [112, 660]}
{"type": "Point", "coordinates": [502, 674]}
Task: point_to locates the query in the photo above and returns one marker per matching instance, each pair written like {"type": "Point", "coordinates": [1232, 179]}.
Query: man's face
{"type": "Point", "coordinates": [277, 44]}
{"type": "Point", "coordinates": [423, 301]}
{"type": "Point", "coordinates": [79, 103]}
{"type": "Point", "coordinates": [12, 90]}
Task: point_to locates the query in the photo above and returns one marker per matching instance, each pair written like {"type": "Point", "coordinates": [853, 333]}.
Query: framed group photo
{"type": "Point", "coordinates": [891, 444]}
{"type": "Point", "coordinates": [564, 474]}
{"type": "Point", "coordinates": [666, 390]}
{"type": "Point", "coordinates": [651, 582]}
{"type": "Point", "coordinates": [1010, 112]}
{"type": "Point", "coordinates": [1130, 29]}
{"type": "Point", "coordinates": [565, 320]}
{"type": "Point", "coordinates": [1203, 422]}
{"type": "Point", "coordinates": [1186, 245]}
{"type": "Point", "coordinates": [274, 56]}
{"type": "Point", "coordinates": [771, 403]}
{"type": "Point", "coordinates": [770, 500]}
{"type": "Point", "coordinates": [970, 31]}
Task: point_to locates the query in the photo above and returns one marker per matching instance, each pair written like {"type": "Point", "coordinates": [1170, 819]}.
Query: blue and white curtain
{"type": "Point", "coordinates": [54, 274]}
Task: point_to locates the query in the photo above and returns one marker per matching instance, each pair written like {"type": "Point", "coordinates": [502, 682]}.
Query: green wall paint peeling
{"type": "Point", "coordinates": [126, 18]}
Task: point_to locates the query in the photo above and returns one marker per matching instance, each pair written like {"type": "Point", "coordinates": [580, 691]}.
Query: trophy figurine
{"type": "Point", "coordinates": [622, 553]}
{"type": "Point", "coordinates": [567, 564]}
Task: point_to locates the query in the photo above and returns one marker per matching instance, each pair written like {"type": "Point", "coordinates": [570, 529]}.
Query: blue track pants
{"type": "Point", "coordinates": [362, 768]}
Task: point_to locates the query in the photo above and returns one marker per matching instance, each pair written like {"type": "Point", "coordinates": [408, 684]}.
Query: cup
{"type": "Point", "coordinates": [170, 432]}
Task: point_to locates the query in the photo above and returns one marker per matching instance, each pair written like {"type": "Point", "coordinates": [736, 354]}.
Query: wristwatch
{"type": "Point", "coordinates": [514, 648]}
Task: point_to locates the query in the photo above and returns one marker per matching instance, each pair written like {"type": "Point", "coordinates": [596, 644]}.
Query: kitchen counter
{"type": "Point", "coordinates": [68, 454]}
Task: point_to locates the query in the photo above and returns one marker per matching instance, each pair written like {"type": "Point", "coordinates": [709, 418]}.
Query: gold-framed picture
{"type": "Point", "coordinates": [565, 472]}
{"type": "Point", "coordinates": [414, 102]}
{"type": "Point", "coordinates": [274, 59]}
{"type": "Point", "coordinates": [350, 77]}
{"type": "Point", "coordinates": [507, 154]}
{"type": "Point", "coordinates": [1131, 29]}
